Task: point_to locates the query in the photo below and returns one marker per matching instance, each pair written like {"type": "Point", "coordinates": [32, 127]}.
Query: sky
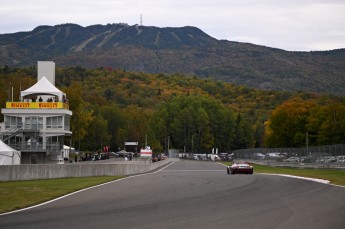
{"type": "Point", "coordinates": [293, 25]}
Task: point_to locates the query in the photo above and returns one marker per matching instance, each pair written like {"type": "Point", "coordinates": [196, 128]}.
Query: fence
{"type": "Point", "coordinates": [326, 153]}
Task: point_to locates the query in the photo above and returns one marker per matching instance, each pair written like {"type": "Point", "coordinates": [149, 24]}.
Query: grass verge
{"type": "Point", "coordinates": [334, 176]}
{"type": "Point", "coordinates": [20, 194]}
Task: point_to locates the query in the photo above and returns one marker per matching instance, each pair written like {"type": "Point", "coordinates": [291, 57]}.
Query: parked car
{"type": "Point", "coordinates": [239, 167]}
{"type": "Point", "coordinates": [306, 159]}
{"type": "Point", "coordinates": [96, 157]}
{"type": "Point", "coordinates": [258, 156]}
{"type": "Point", "coordinates": [154, 159]}
{"type": "Point", "coordinates": [276, 156]}
{"type": "Point", "coordinates": [327, 159]}
{"type": "Point", "coordinates": [104, 156]}
{"type": "Point", "coordinates": [225, 157]}
{"type": "Point", "coordinates": [292, 159]}
{"type": "Point", "coordinates": [341, 159]}
{"type": "Point", "coordinates": [330, 159]}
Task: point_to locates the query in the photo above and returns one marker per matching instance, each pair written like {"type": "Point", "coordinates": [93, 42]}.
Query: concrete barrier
{"type": "Point", "coordinates": [51, 171]}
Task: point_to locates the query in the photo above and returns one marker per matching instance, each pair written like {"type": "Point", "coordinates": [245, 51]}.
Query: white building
{"type": "Point", "coordinates": [46, 69]}
{"type": "Point", "coordinates": [37, 128]}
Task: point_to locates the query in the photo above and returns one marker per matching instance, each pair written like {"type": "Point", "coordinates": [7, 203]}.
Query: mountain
{"type": "Point", "coordinates": [186, 50]}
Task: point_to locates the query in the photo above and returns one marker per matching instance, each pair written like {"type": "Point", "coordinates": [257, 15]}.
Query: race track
{"type": "Point", "coordinates": [191, 194]}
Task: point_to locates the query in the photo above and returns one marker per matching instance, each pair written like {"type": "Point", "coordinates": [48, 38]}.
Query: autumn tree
{"type": "Point", "coordinates": [287, 125]}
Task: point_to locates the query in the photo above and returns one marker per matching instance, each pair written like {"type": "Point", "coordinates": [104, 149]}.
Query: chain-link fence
{"type": "Point", "coordinates": [315, 154]}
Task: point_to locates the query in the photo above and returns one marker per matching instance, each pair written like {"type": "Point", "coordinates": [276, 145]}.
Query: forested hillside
{"type": "Point", "coordinates": [186, 50]}
{"type": "Point", "coordinates": [113, 106]}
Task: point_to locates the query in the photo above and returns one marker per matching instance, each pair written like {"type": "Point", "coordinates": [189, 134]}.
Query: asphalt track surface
{"type": "Point", "coordinates": [190, 194]}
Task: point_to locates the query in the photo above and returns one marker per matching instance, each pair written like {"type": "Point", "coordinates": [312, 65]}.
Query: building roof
{"type": "Point", "coordinates": [42, 87]}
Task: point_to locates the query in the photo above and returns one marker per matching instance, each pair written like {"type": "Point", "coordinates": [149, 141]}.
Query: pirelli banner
{"type": "Point", "coordinates": [37, 105]}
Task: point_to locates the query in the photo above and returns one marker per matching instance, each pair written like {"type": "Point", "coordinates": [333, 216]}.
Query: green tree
{"type": "Point", "coordinates": [195, 123]}
{"type": "Point", "coordinates": [97, 134]}
{"type": "Point", "coordinates": [243, 136]}
{"type": "Point", "coordinates": [159, 127]}
{"type": "Point", "coordinates": [115, 121]}
{"type": "Point", "coordinates": [136, 125]}
{"type": "Point", "coordinates": [332, 129]}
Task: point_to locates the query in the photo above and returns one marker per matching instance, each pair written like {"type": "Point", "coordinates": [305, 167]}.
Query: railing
{"type": "Point", "coordinates": [53, 147]}
{"type": "Point", "coordinates": [13, 131]}
{"type": "Point", "coordinates": [12, 134]}
{"type": "Point", "coordinates": [22, 126]}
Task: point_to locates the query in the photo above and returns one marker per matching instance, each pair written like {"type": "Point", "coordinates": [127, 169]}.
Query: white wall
{"type": "Point", "coordinates": [47, 69]}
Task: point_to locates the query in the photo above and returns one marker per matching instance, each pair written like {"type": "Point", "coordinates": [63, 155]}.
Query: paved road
{"type": "Point", "coordinates": [190, 194]}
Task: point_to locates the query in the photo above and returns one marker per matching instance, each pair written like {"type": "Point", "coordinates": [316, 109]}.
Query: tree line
{"type": "Point", "coordinates": [112, 106]}
{"type": "Point", "coordinates": [297, 121]}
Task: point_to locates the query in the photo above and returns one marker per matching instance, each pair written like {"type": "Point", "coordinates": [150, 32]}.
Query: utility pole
{"type": "Point", "coordinates": [192, 143]}
{"type": "Point", "coordinates": [306, 136]}
{"type": "Point", "coordinates": [168, 143]}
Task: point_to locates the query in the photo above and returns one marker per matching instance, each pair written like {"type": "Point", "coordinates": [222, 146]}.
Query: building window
{"type": "Point", "coordinates": [34, 123]}
{"type": "Point", "coordinates": [54, 143]}
{"type": "Point", "coordinates": [54, 122]}
{"type": "Point", "coordinates": [13, 122]}
{"type": "Point", "coordinates": [67, 122]}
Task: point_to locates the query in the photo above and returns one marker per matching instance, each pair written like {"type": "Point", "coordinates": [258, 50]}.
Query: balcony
{"type": "Point", "coordinates": [50, 149]}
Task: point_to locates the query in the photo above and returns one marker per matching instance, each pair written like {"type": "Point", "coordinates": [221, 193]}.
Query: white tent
{"type": "Point", "coordinates": [42, 87]}
{"type": "Point", "coordinates": [8, 156]}
{"type": "Point", "coordinates": [67, 150]}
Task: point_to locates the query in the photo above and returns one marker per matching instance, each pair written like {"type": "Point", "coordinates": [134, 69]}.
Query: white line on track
{"type": "Point", "coordinates": [299, 177]}
{"type": "Point", "coordinates": [70, 194]}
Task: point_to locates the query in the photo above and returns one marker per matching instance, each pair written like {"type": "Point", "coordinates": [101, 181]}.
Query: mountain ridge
{"type": "Point", "coordinates": [184, 50]}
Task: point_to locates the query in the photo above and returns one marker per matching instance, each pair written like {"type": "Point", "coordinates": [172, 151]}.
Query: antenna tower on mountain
{"type": "Point", "coordinates": [141, 19]}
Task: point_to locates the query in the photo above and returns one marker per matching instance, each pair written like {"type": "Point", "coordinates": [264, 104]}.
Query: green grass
{"type": "Point", "coordinates": [334, 176]}
{"type": "Point", "coordinates": [20, 194]}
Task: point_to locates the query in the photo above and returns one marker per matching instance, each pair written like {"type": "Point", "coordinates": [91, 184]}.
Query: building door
{"type": "Point", "coordinates": [33, 159]}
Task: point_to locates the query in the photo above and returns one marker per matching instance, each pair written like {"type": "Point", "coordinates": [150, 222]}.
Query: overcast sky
{"type": "Point", "coordinates": [295, 25]}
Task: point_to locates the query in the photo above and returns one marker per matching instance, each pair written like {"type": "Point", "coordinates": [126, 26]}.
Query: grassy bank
{"type": "Point", "coordinates": [20, 194]}
{"type": "Point", "coordinates": [334, 176]}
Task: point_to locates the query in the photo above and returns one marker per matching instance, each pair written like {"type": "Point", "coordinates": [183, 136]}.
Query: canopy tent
{"type": "Point", "coordinates": [67, 150]}
{"type": "Point", "coordinates": [42, 87]}
{"type": "Point", "coordinates": [8, 156]}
